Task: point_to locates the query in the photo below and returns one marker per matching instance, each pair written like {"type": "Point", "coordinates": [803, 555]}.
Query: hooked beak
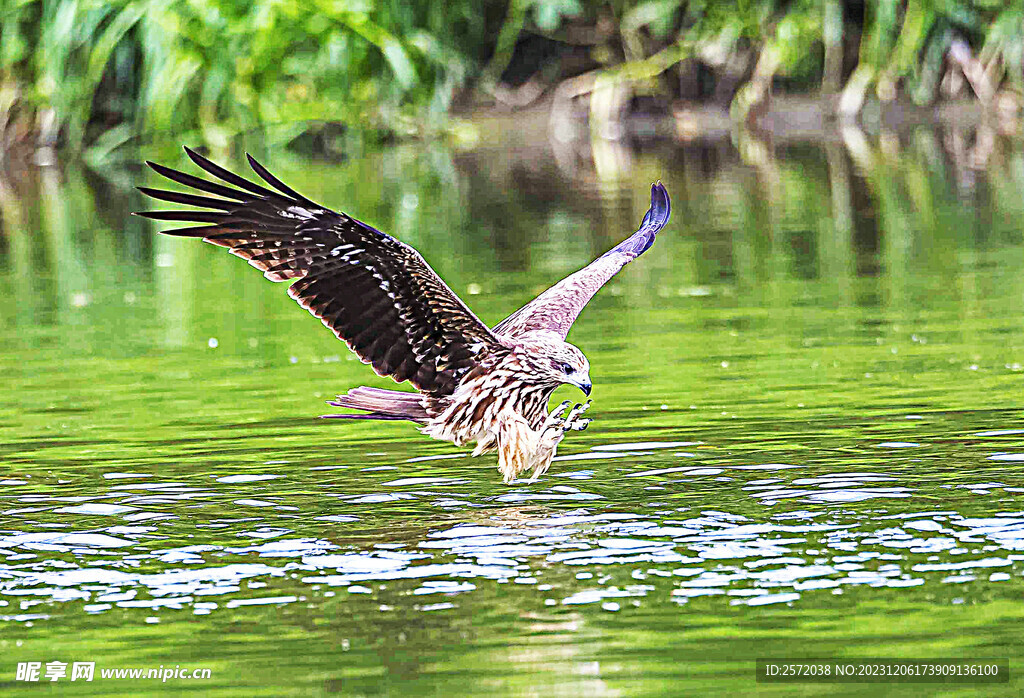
{"type": "Point", "coordinates": [585, 385]}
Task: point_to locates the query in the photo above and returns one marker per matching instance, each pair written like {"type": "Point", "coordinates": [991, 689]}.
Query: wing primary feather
{"type": "Point", "coordinates": [229, 177]}
{"type": "Point", "coordinates": [195, 216]}
{"type": "Point", "coordinates": [199, 231]}
{"type": "Point", "coordinates": [275, 182]}
{"type": "Point", "coordinates": [178, 197]}
{"type": "Point", "coordinates": [197, 183]}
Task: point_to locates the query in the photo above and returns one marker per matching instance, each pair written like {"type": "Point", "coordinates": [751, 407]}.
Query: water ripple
{"type": "Point", "coordinates": [802, 532]}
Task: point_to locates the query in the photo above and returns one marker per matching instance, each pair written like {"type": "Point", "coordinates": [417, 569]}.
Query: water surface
{"type": "Point", "coordinates": [808, 430]}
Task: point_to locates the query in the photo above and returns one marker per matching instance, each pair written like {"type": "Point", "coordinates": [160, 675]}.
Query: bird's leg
{"type": "Point", "coordinates": [515, 445]}
{"type": "Point", "coordinates": [547, 444]}
{"type": "Point", "coordinates": [573, 421]}
{"type": "Point", "coordinates": [557, 416]}
{"type": "Point", "coordinates": [561, 420]}
{"type": "Point", "coordinates": [568, 420]}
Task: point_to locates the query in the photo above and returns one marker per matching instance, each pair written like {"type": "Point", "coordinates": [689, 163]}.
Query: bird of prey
{"type": "Point", "coordinates": [378, 295]}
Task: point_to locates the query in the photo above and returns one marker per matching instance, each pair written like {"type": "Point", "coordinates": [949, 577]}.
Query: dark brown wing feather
{"type": "Point", "coordinates": [375, 292]}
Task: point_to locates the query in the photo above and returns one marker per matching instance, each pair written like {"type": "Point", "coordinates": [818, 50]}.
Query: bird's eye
{"type": "Point", "coordinates": [566, 368]}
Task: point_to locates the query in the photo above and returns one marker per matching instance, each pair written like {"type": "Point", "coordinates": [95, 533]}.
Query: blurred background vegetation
{"type": "Point", "coordinates": [93, 75]}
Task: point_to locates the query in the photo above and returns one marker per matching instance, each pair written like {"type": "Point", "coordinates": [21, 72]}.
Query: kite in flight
{"type": "Point", "coordinates": [474, 383]}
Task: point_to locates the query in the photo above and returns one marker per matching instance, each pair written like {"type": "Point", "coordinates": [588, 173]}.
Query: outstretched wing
{"type": "Point", "coordinates": [559, 306]}
{"type": "Point", "coordinates": [375, 292]}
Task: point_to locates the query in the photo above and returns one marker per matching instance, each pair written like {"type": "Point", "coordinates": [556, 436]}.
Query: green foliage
{"type": "Point", "coordinates": [549, 13]}
{"type": "Point", "coordinates": [220, 67]}
{"type": "Point", "coordinates": [93, 74]}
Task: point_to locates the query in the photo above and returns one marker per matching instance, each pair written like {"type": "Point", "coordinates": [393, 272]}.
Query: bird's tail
{"type": "Point", "coordinates": [378, 403]}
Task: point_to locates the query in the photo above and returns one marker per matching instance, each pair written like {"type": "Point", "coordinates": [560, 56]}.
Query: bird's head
{"type": "Point", "coordinates": [569, 365]}
{"type": "Point", "coordinates": [554, 362]}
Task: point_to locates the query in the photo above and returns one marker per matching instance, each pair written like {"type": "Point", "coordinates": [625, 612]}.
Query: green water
{"type": "Point", "coordinates": [807, 442]}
